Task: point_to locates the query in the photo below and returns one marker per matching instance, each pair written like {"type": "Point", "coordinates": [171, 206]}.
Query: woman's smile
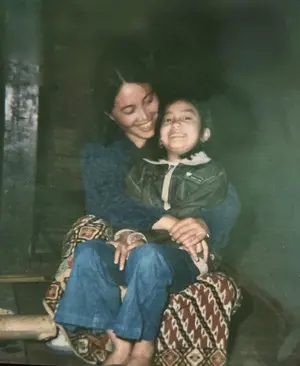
{"type": "Point", "coordinates": [146, 126]}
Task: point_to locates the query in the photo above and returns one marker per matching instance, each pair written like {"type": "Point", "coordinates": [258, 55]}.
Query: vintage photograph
{"type": "Point", "coordinates": [149, 182]}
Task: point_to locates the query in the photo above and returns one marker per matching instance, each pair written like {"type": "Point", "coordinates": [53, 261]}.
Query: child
{"type": "Point", "coordinates": [178, 175]}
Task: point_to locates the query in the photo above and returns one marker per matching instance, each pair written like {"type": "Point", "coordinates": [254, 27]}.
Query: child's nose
{"type": "Point", "coordinates": [177, 123]}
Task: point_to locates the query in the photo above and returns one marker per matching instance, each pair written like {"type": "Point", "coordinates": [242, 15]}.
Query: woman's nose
{"type": "Point", "coordinates": [144, 114]}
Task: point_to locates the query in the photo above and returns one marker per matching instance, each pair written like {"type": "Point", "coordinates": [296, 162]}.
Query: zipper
{"type": "Point", "coordinates": [199, 180]}
{"type": "Point", "coordinates": [166, 187]}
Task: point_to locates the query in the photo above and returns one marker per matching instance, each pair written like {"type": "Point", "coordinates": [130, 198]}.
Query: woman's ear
{"type": "Point", "coordinates": [205, 135]}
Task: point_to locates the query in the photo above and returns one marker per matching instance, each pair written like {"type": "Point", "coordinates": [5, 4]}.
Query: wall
{"type": "Point", "coordinates": [267, 172]}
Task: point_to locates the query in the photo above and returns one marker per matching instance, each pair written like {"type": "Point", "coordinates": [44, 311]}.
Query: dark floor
{"type": "Point", "coordinates": [26, 299]}
{"type": "Point", "coordinates": [257, 332]}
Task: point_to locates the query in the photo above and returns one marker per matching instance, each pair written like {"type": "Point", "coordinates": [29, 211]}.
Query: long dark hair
{"type": "Point", "coordinates": [155, 151]}
{"type": "Point", "coordinates": [121, 63]}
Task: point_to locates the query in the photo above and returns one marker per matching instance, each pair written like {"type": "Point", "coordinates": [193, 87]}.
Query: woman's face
{"type": "Point", "coordinates": [136, 111]}
{"type": "Point", "coordinates": [180, 130]}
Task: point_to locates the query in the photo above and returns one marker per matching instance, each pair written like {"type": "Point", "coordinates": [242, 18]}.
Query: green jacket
{"type": "Point", "coordinates": [183, 190]}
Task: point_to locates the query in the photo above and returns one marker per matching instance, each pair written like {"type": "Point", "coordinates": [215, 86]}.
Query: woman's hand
{"type": "Point", "coordinates": [200, 249]}
{"type": "Point", "coordinates": [189, 231]}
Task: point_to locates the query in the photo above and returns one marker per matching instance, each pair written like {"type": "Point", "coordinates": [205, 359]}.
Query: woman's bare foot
{"type": "Point", "coordinates": [121, 352]}
{"type": "Point", "coordinates": [142, 354]}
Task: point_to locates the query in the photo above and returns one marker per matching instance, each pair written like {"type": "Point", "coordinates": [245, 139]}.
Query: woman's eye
{"type": "Point", "coordinates": [149, 99]}
{"type": "Point", "coordinates": [187, 118]}
{"type": "Point", "coordinates": [167, 120]}
{"type": "Point", "coordinates": [128, 111]}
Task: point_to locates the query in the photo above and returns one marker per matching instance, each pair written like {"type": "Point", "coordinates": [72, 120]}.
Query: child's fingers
{"type": "Point", "coordinates": [117, 255]}
{"type": "Point", "coordinates": [132, 246]}
{"type": "Point", "coordinates": [113, 243]}
{"type": "Point", "coordinates": [123, 258]}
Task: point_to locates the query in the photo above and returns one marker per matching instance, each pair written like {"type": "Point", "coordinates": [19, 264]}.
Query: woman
{"type": "Point", "coordinates": [131, 104]}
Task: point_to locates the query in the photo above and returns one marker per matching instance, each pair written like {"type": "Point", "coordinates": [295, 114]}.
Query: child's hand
{"type": "Point", "coordinates": [165, 223]}
{"type": "Point", "coordinates": [121, 253]}
{"type": "Point", "coordinates": [135, 240]}
{"type": "Point", "coordinates": [126, 242]}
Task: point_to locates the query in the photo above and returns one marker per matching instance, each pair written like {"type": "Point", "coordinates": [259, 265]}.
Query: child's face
{"type": "Point", "coordinates": [180, 130]}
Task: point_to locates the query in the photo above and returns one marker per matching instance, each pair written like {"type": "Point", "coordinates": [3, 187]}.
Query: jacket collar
{"type": "Point", "coordinates": [196, 159]}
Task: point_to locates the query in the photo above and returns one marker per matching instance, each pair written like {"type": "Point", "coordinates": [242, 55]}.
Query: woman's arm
{"type": "Point", "coordinates": [104, 170]}
{"type": "Point", "coordinates": [222, 218]}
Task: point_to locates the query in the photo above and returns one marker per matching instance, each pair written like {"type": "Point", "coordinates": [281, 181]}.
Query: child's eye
{"type": "Point", "coordinates": [187, 118]}
{"type": "Point", "coordinates": [167, 120]}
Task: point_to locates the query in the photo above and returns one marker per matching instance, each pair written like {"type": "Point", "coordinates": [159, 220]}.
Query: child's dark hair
{"type": "Point", "coordinates": [153, 150]}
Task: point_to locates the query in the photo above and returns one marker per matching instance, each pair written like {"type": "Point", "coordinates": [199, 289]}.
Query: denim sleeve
{"type": "Point", "coordinates": [104, 170]}
{"type": "Point", "coordinates": [222, 218]}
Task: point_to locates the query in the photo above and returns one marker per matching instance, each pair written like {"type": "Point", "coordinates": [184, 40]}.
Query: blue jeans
{"type": "Point", "coordinates": [92, 295]}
